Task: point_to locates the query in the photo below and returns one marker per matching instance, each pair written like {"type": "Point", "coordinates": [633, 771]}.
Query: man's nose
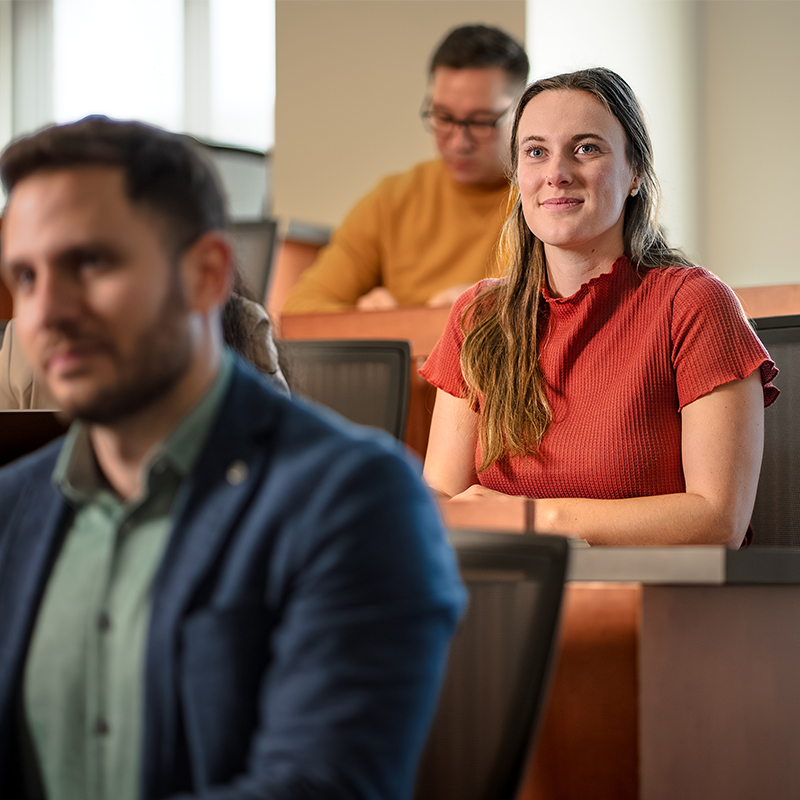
{"type": "Point", "coordinates": [461, 139]}
{"type": "Point", "coordinates": [55, 301]}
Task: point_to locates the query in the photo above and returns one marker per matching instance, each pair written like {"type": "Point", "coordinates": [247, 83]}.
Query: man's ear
{"type": "Point", "coordinates": [208, 271]}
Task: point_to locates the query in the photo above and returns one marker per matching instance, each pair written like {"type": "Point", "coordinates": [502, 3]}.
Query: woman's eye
{"type": "Point", "coordinates": [588, 148]}
{"type": "Point", "coordinates": [535, 152]}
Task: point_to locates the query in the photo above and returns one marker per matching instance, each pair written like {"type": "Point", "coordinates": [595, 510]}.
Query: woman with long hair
{"type": "Point", "coordinates": [604, 375]}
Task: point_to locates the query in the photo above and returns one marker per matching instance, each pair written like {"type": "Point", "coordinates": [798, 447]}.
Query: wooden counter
{"type": "Point", "coordinates": [718, 647]}
{"type": "Point", "coordinates": [675, 675]}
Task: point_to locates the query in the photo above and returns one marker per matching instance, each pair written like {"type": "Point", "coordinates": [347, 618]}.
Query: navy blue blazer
{"type": "Point", "coordinates": [300, 617]}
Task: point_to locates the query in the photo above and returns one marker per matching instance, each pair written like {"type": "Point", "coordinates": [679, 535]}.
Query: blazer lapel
{"type": "Point", "coordinates": [228, 471]}
{"type": "Point", "coordinates": [33, 539]}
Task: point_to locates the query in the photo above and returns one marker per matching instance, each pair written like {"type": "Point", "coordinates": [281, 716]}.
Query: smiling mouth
{"type": "Point", "coordinates": [561, 203]}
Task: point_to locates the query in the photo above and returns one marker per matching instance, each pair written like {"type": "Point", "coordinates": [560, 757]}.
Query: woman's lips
{"type": "Point", "coordinates": [561, 203]}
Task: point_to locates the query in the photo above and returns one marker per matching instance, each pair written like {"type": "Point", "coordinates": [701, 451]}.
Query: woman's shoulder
{"type": "Point", "coordinates": [679, 274]}
{"type": "Point", "coordinates": [691, 284]}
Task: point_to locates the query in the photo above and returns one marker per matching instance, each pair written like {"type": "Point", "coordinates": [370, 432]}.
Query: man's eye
{"type": "Point", "coordinates": [24, 277]}
{"type": "Point", "coordinates": [481, 123]}
{"type": "Point", "coordinates": [90, 261]}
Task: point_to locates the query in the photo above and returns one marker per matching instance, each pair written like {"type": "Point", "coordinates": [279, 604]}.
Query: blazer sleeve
{"type": "Point", "coordinates": [364, 596]}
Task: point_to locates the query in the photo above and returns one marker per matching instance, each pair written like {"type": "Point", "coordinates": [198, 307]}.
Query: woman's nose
{"type": "Point", "coordinates": [558, 171]}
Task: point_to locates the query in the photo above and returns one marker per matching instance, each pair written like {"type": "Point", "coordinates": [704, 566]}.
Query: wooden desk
{"type": "Point", "coordinates": [422, 327]}
{"type": "Point", "coordinates": [718, 655]}
{"type": "Point", "coordinates": [769, 301]}
{"type": "Point", "coordinates": [676, 676]}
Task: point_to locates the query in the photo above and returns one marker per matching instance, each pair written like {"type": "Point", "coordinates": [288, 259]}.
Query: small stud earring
{"type": "Point", "coordinates": [634, 191]}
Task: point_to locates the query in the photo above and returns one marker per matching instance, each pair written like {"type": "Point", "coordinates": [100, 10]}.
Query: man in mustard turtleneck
{"type": "Point", "coordinates": [421, 237]}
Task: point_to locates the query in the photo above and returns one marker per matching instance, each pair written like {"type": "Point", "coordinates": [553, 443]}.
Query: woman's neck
{"type": "Point", "coordinates": [567, 270]}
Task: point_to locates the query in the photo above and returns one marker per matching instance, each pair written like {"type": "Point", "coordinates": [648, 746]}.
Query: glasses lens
{"type": "Point", "coordinates": [445, 126]}
{"type": "Point", "coordinates": [481, 130]}
{"type": "Point", "coordinates": [437, 124]}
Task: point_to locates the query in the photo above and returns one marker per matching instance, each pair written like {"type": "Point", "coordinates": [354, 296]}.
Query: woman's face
{"type": "Point", "coordinates": [573, 174]}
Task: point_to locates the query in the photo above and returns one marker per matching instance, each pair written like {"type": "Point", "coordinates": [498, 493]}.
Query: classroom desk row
{"type": "Point", "coordinates": [422, 327]}
{"type": "Point", "coordinates": [676, 673]}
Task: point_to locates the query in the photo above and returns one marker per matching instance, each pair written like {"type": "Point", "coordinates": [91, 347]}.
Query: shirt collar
{"type": "Point", "coordinates": [78, 475]}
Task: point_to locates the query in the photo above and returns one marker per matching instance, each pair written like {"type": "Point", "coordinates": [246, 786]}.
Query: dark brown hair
{"type": "Point", "coordinates": [162, 170]}
{"type": "Point", "coordinates": [482, 47]}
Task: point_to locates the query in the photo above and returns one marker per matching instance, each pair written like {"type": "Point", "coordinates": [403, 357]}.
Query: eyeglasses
{"type": "Point", "coordinates": [442, 124]}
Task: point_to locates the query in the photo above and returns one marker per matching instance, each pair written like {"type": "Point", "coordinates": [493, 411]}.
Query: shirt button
{"type": "Point", "coordinates": [101, 727]}
{"type": "Point", "coordinates": [237, 473]}
{"type": "Point", "coordinates": [104, 622]}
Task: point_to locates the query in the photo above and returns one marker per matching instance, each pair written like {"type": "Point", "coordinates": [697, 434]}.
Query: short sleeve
{"type": "Point", "coordinates": [712, 342]}
{"type": "Point", "coordinates": [442, 368]}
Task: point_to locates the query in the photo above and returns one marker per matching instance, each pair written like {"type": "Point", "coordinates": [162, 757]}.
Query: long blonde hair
{"type": "Point", "coordinates": [500, 355]}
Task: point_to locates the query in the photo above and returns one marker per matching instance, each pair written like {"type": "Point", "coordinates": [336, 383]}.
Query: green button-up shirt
{"type": "Point", "coordinates": [84, 674]}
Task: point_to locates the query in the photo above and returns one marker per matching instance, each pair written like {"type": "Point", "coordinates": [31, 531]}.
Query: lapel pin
{"type": "Point", "coordinates": [237, 472]}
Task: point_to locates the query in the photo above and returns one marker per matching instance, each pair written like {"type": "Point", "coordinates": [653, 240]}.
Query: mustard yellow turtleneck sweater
{"type": "Point", "coordinates": [416, 234]}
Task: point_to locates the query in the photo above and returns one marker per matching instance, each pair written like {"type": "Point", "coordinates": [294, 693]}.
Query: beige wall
{"type": "Point", "coordinates": [351, 77]}
{"type": "Point", "coordinates": [752, 168]}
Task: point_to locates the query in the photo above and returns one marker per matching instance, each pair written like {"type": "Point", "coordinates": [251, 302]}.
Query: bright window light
{"type": "Point", "coordinates": [122, 58]}
{"type": "Point", "coordinates": [242, 34]}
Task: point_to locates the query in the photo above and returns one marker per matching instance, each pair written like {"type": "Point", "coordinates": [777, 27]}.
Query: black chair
{"type": "Point", "coordinates": [776, 516]}
{"type": "Point", "coordinates": [367, 381]}
{"type": "Point", "coordinates": [254, 247]}
{"type": "Point", "coordinates": [495, 685]}
{"type": "Point", "coordinates": [23, 431]}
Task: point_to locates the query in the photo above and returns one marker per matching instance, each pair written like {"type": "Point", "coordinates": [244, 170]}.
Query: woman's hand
{"type": "Point", "coordinates": [478, 492]}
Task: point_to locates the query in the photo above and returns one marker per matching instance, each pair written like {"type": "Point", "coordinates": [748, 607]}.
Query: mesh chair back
{"type": "Point", "coordinates": [254, 248]}
{"type": "Point", "coordinates": [366, 381]}
{"type": "Point", "coordinates": [776, 516]}
{"type": "Point", "coordinates": [494, 688]}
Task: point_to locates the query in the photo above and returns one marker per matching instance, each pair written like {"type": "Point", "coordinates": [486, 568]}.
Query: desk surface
{"type": "Point", "coordinates": [703, 566]}
{"type": "Point", "coordinates": [421, 326]}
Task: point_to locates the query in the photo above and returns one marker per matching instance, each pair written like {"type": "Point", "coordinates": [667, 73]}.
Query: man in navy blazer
{"type": "Point", "coordinates": [206, 589]}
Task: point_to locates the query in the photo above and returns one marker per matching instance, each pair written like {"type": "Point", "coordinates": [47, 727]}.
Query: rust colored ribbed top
{"type": "Point", "coordinates": [621, 357]}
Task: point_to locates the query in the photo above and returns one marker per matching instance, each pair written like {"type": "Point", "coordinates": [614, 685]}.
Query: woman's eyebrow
{"type": "Point", "coordinates": [580, 136]}
{"type": "Point", "coordinates": [577, 138]}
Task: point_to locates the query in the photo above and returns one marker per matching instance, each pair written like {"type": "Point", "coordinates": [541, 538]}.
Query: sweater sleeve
{"type": "Point", "coordinates": [712, 342]}
{"type": "Point", "coordinates": [349, 267]}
